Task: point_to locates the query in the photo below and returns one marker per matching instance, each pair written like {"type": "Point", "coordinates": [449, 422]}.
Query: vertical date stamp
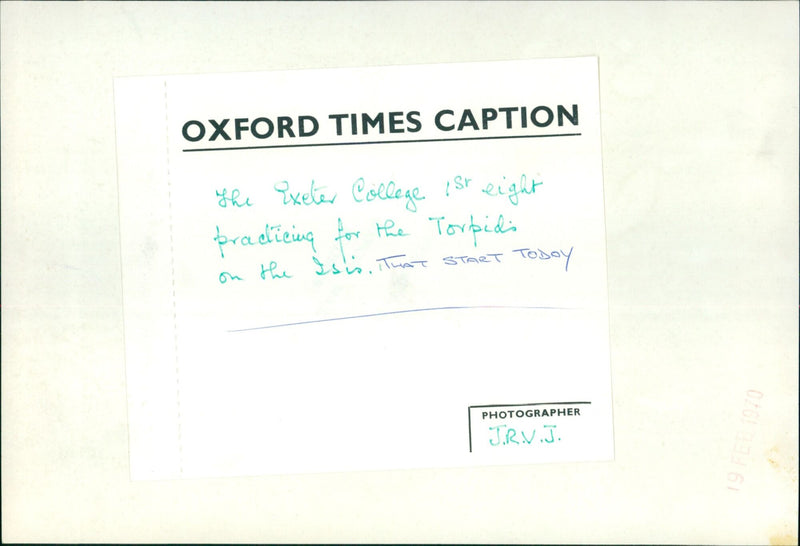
{"type": "Point", "coordinates": [743, 442]}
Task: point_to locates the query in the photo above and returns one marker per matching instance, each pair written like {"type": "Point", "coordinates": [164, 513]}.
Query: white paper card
{"type": "Point", "coordinates": [357, 269]}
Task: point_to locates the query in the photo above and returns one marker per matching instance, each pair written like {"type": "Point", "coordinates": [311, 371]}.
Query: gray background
{"type": "Point", "coordinates": [699, 109]}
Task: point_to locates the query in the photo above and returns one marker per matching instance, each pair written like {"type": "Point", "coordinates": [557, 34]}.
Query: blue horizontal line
{"type": "Point", "coordinates": [401, 312]}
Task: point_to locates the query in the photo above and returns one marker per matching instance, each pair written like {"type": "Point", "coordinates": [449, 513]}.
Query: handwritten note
{"type": "Point", "coordinates": [364, 268]}
{"type": "Point", "coordinates": [303, 236]}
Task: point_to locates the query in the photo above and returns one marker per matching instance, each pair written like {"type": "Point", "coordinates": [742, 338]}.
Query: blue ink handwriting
{"type": "Point", "coordinates": [394, 262]}
{"type": "Point", "coordinates": [513, 191]}
{"type": "Point", "coordinates": [539, 254]}
{"type": "Point", "coordinates": [505, 435]}
{"type": "Point", "coordinates": [385, 192]}
{"type": "Point", "coordinates": [232, 199]}
{"type": "Point", "coordinates": [270, 235]}
{"type": "Point", "coordinates": [457, 260]}
{"type": "Point", "coordinates": [225, 277]}
{"type": "Point", "coordinates": [311, 197]}
{"type": "Point", "coordinates": [273, 272]}
{"type": "Point", "coordinates": [459, 183]}
{"type": "Point", "coordinates": [471, 227]}
{"type": "Point", "coordinates": [385, 230]}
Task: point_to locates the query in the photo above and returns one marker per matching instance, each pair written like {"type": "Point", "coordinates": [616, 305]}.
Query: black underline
{"type": "Point", "coordinates": [374, 142]}
{"type": "Point", "coordinates": [529, 404]}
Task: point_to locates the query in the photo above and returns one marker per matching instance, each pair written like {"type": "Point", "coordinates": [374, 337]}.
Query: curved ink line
{"type": "Point", "coordinates": [371, 315]}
